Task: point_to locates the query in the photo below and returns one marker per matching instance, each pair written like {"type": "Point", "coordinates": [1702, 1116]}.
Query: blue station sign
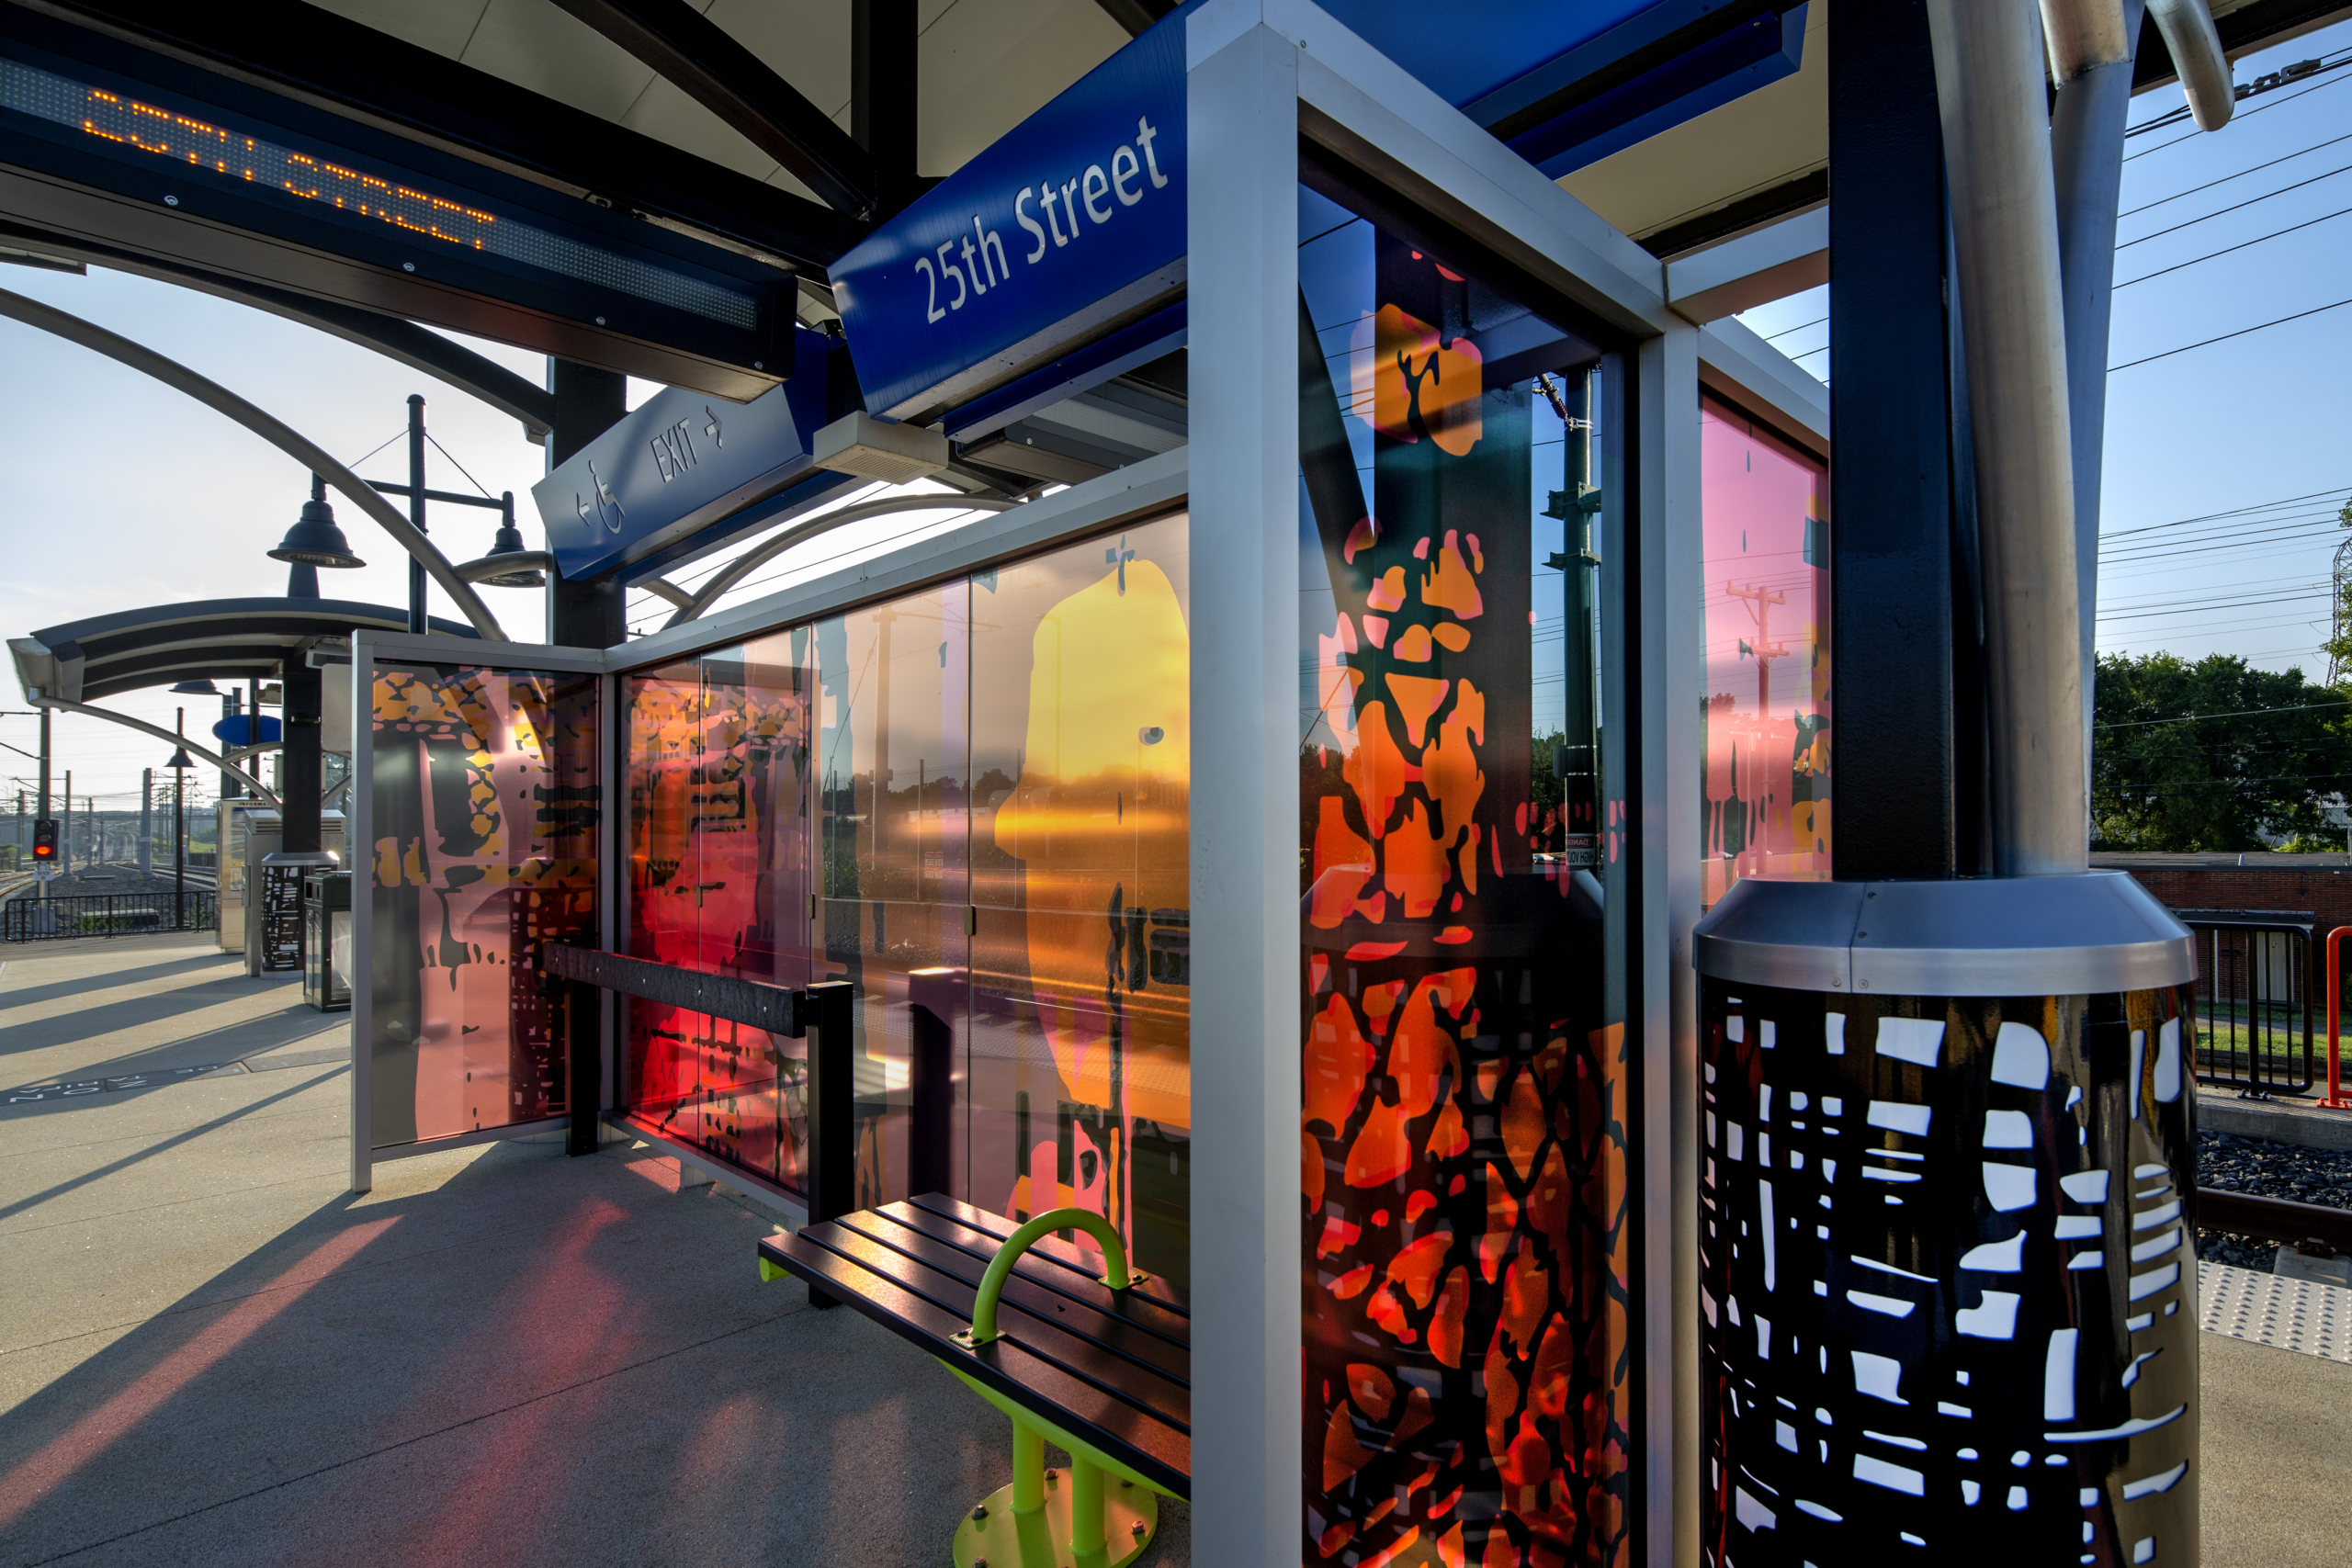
{"type": "Point", "coordinates": [1072, 221]}
{"type": "Point", "coordinates": [682, 461]}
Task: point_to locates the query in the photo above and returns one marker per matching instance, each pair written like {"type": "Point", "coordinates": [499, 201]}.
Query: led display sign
{"type": "Point", "coordinates": [114, 144]}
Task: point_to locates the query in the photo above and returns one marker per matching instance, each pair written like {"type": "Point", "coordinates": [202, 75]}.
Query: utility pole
{"type": "Point", "coordinates": [66, 830]}
{"type": "Point", "coordinates": [43, 814]}
{"type": "Point", "coordinates": [1761, 602]}
{"type": "Point", "coordinates": [179, 822]}
{"type": "Point", "coordinates": [146, 821]}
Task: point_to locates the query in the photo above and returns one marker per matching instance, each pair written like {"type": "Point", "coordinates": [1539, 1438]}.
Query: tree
{"type": "Point", "coordinates": [2213, 755]}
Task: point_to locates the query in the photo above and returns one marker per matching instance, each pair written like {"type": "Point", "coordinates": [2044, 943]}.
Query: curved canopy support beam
{"type": "Point", "coordinates": [488, 567]}
{"type": "Point", "coordinates": [178, 376]}
{"type": "Point", "coordinates": [476, 374]}
{"type": "Point", "coordinates": [210, 759]}
{"type": "Point", "coordinates": [775, 544]}
{"type": "Point", "coordinates": [663, 588]}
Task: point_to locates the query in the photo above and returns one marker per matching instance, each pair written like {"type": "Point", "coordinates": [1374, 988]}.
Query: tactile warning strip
{"type": "Point", "coordinates": [2290, 1315]}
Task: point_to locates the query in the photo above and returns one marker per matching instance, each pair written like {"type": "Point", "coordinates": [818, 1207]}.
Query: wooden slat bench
{"type": "Point", "coordinates": [1105, 1374]}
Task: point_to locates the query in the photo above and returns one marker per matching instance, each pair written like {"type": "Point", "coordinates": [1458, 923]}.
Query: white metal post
{"type": "Point", "coordinates": [1667, 598]}
{"type": "Point", "coordinates": [1241, 93]}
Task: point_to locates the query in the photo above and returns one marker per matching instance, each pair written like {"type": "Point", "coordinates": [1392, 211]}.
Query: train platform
{"type": "Point", "coordinates": [212, 1353]}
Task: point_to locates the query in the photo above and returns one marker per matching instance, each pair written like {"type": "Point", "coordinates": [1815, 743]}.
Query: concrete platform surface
{"type": "Point", "coordinates": [2283, 1120]}
{"type": "Point", "coordinates": [210, 1353]}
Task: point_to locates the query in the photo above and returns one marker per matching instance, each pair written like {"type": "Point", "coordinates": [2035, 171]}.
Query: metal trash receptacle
{"type": "Point", "coordinates": [326, 941]}
{"type": "Point", "coordinates": [1947, 1250]}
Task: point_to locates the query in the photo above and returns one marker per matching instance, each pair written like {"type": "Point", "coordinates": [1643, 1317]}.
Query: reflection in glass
{"type": "Point", "coordinates": [717, 880]}
{"type": "Point", "coordinates": [970, 803]}
{"type": "Point", "coordinates": [1082, 744]}
{"type": "Point", "coordinates": [1763, 504]}
{"type": "Point", "coordinates": [1461, 857]}
{"type": "Point", "coordinates": [486, 806]}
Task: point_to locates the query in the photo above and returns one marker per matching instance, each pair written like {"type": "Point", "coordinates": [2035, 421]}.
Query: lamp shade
{"type": "Point", "coordinates": [197, 688]}
{"type": "Point", "coordinates": [315, 540]}
{"type": "Point", "coordinates": [180, 758]}
{"type": "Point", "coordinates": [509, 542]}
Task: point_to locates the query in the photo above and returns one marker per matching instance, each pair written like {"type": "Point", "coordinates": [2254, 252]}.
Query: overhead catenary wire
{"type": "Point", "coordinates": [2178, 115]}
{"type": "Point", "coordinates": [2243, 245]}
{"type": "Point", "coordinates": [2259, 326]}
{"type": "Point", "coordinates": [2256, 169]}
{"type": "Point", "coordinates": [2225, 212]}
{"type": "Point", "coordinates": [2235, 713]}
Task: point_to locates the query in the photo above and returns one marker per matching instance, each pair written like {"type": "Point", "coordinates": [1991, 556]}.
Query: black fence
{"type": "Point", "coordinates": [26, 918]}
{"type": "Point", "coordinates": [2259, 1001]}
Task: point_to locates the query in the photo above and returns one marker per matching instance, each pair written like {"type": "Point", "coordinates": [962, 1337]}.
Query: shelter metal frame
{"type": "Point", "coordinates": [366, 647]}
{"type": "Point", "coordinates": [1266, 77]}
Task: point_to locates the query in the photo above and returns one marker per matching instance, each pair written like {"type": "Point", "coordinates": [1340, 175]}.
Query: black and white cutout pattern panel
{"type": "Point", "coordinates": [1946, 1266]}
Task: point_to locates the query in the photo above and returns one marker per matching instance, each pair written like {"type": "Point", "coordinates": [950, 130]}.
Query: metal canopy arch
{"type": "Point", "coordinates": [104, 656]}
{"type": "Point", "coordinates": [178, 376]}
{"type": "Point", "coordinates": [210, 759]}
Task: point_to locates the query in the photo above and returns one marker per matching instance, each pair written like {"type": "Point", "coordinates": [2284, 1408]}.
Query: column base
{"type": "Point", "coordinates": [992, 1534]}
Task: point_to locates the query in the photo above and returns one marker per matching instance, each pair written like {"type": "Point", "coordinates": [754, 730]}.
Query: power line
{"type": "Point", "coordinates": [2240, 713]}
{"type": "Point", "coordinates": [2225, 337]}
{"type": "Point", "coordinates": [2227, 249]}
{"type": "Point", "coordinates": [2240, 207]}
{"type": "Point", "coordinates": [2208, 184]}
{"type": "Point", "coordinates": [2216, 516]}
{"type": "Point", "coordinates": [1772, 337]}
{"type": "Point", "coordinates": [2177, 114]}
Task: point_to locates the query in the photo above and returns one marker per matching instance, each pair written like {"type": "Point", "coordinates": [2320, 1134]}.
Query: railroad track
{"type": "Point", "coordinates": [2273, 1219]}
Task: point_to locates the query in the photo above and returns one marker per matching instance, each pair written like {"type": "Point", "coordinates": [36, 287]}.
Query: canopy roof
{"type": "Point", "coordinates": [236, 640]}
{"type": "Point", "coordinates": [985, 65]}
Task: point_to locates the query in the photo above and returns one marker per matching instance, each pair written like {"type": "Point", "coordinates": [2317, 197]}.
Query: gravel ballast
{"type": "Point", "coordinates": [2270, 1170]}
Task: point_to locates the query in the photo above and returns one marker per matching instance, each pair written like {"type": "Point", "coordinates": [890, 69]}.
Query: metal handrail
{"type": "Point", "coordinates": [2264, 1070]}
{"type": "Point", "coordinates": [105, 914]}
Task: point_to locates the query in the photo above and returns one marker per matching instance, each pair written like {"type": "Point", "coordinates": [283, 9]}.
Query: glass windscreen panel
{"type": "Point", "coordinates": [969, 803]}
{"type": "Point", "coordinates": [1765, 526]}
{"type": "Point", "coordinates": [717, 880]}
{"type": "Point", "coordinates": [1464, 872]}
{"type": "Point", "coordinates": [485, 810]}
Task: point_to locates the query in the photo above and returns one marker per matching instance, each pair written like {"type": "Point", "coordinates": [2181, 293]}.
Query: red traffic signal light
{"type": "Point", "coordinates": [45, 839]}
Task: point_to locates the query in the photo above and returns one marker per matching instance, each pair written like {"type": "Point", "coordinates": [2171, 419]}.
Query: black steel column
{"type": "Point", "coordinates": [1902, 736]}
{"type": "Point", "coordinates": [882, 111]}
{"type": "Point", "coordinates": [830, 1171]}
{"type": "Point", "coordinates": [934, 999]}
{"type": "Point", "coordinates": [588, 402]}
{"type": "Point", "coordinates": [417, 623]}
{"type": "Point", "coordinates": [584, 1035]}
{"type": "Point", "coordinates": [300, 774]}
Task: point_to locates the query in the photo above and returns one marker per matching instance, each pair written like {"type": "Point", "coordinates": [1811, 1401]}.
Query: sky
{"type": "Point", "coordinates": [2254, 426]}
{"type": "Point", "coordinates": [117, 492]}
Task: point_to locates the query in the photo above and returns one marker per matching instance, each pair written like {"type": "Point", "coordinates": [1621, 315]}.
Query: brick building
{"type": "Point", "coordinates": [2313, 887]}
